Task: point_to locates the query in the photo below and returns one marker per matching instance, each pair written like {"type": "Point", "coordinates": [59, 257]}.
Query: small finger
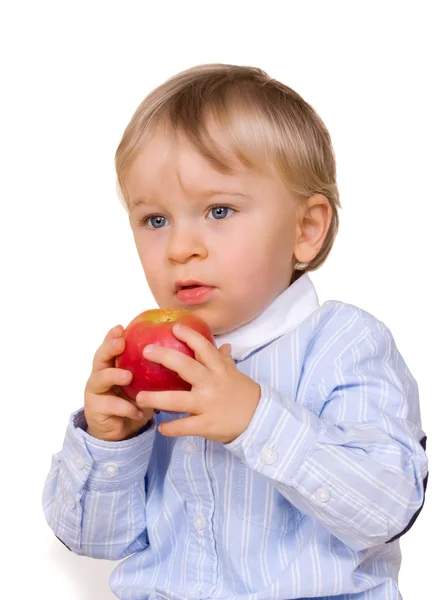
{"type": "Point", "coordinates": [105, 355]}
{"type": "Point", "coordinates": [205, 352]}
{"type": "Point", "coordinates": [102, 381]}
{"type": "Point", "coordinates": [118, 407]}
{"type": "Point", "coordinates": [186, 367]}
{"type": "Point", "coordinates": [116, 331]}
{"type": "Point", "coordinates": [170, 400]}
{"type": "Point", "coordinates": [182, 427]}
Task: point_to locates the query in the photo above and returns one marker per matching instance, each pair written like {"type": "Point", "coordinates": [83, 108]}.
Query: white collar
{"type": "Point", "coordinates": [285, 313]}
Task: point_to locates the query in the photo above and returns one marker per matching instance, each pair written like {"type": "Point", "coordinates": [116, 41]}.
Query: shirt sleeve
{"type": "Point", "coordinates": [351, 453]}
{"type": "Point", "coordinates": [94, 494]}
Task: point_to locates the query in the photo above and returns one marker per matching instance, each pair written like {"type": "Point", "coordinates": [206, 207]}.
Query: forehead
{"type": "Point", "coordinates": [167, 161]}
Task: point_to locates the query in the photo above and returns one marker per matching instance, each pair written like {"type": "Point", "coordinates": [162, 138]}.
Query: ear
{"type": "Point", "coordinates": [312, 224]}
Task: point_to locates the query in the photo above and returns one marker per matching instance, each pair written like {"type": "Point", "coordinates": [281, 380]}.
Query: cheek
{"type": "Point", "coordinates": [263, 258]}
{"type": "Point", "coordinates": [260, 247]}
{"type": "Point", "coordinates": [149, 250]}
{"type": "Point", "coordinates": [151, 259]}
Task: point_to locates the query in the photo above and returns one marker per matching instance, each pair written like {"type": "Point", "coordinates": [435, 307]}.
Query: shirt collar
{"type": "Point", "coordinates": [285, 313]}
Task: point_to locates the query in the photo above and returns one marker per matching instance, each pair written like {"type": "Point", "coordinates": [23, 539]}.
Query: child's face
{"type": "Point", "coordinates": [245, 253]}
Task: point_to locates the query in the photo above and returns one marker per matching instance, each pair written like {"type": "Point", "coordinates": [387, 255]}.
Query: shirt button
{"type": "Point", "coordinates": [322, 495]}
{"type": "Point", "coordinates": [79, 462]}
{"type": "Point", "coordinates": [268, 456]}
{"type": "Point", "coordinates": [111, 469]}
{"type": "Point", "coordinates": [189, 447]}
{"type": "Point", "coordinates": [199, 522]}
{"type": "Point", "coordinates": [69, 501]}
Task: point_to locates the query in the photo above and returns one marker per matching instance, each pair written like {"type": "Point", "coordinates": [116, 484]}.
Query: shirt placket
{"type": "Point", "coordinates": [202, 557]}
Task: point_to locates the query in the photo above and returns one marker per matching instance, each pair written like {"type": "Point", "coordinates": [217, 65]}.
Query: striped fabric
{"type": "Point", "coordinates": [308, 502]}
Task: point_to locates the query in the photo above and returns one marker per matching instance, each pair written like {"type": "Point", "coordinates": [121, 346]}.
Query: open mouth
{"type": "Point", "coordinates": [193, 292]}
{"type": "Point", "coordinates": [189, 284]}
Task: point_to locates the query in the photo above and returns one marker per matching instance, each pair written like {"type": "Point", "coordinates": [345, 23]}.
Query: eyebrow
{"type": "Point", "coordinates": [207, 194]}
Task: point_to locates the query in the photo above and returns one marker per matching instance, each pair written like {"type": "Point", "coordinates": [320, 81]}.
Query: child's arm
{"type": "Point", "coordinates": [94, 495]}
{"type": "Point", "coordinates": [351, 453]}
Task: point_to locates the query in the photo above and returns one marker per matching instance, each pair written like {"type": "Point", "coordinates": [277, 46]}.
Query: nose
{"type": "Point", "coordinates": [185, 243]}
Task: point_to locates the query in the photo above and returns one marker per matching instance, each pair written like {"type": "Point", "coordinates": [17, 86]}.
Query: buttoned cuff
{"type": "Point", "coordinates": [278, 439]}
{"type": "Point", "coordinates": [102, 465]}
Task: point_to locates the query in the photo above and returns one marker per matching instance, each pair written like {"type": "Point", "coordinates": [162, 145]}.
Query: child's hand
{"type": "Point", "coordinates": [109, 414]}
{"type": "Point", "coordinates": [222, 400]}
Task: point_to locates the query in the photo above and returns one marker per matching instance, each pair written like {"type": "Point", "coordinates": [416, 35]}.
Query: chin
{"type": "Point", "coordinates": [209, 316]}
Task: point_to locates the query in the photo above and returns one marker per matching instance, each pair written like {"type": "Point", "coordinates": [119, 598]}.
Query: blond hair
{"type": "Point", "coordinates": [267, 123]}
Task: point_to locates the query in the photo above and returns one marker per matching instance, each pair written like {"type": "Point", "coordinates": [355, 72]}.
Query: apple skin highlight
{"type": "Point", "coordinates": [155, 327]}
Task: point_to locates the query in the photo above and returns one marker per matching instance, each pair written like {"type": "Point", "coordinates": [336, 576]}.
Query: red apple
{"type": "Point", "coordinates": [155, 327]}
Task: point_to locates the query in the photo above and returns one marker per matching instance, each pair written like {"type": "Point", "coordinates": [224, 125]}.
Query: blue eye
{"type": "Point", "coordinates": [219, 211]}
{"type": "Point", "coordinates": [156, 221]}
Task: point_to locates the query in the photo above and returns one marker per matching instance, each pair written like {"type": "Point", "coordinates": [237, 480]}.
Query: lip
{"type": "Point", "coordinates": [180, 284]}
{"type": "Point", "coordinates": [194, 295]}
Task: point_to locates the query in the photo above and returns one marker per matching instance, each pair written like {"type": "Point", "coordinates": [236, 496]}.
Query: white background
{"type": "Point", "coordinates": [72, 74]}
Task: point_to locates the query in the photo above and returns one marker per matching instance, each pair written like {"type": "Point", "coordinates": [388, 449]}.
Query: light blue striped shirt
{"type": "Point", "coordinates": [306, 503]}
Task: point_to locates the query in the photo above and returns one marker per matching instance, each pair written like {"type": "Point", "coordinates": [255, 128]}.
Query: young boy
{"type": "Point", "coordinates": [297, 460]}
